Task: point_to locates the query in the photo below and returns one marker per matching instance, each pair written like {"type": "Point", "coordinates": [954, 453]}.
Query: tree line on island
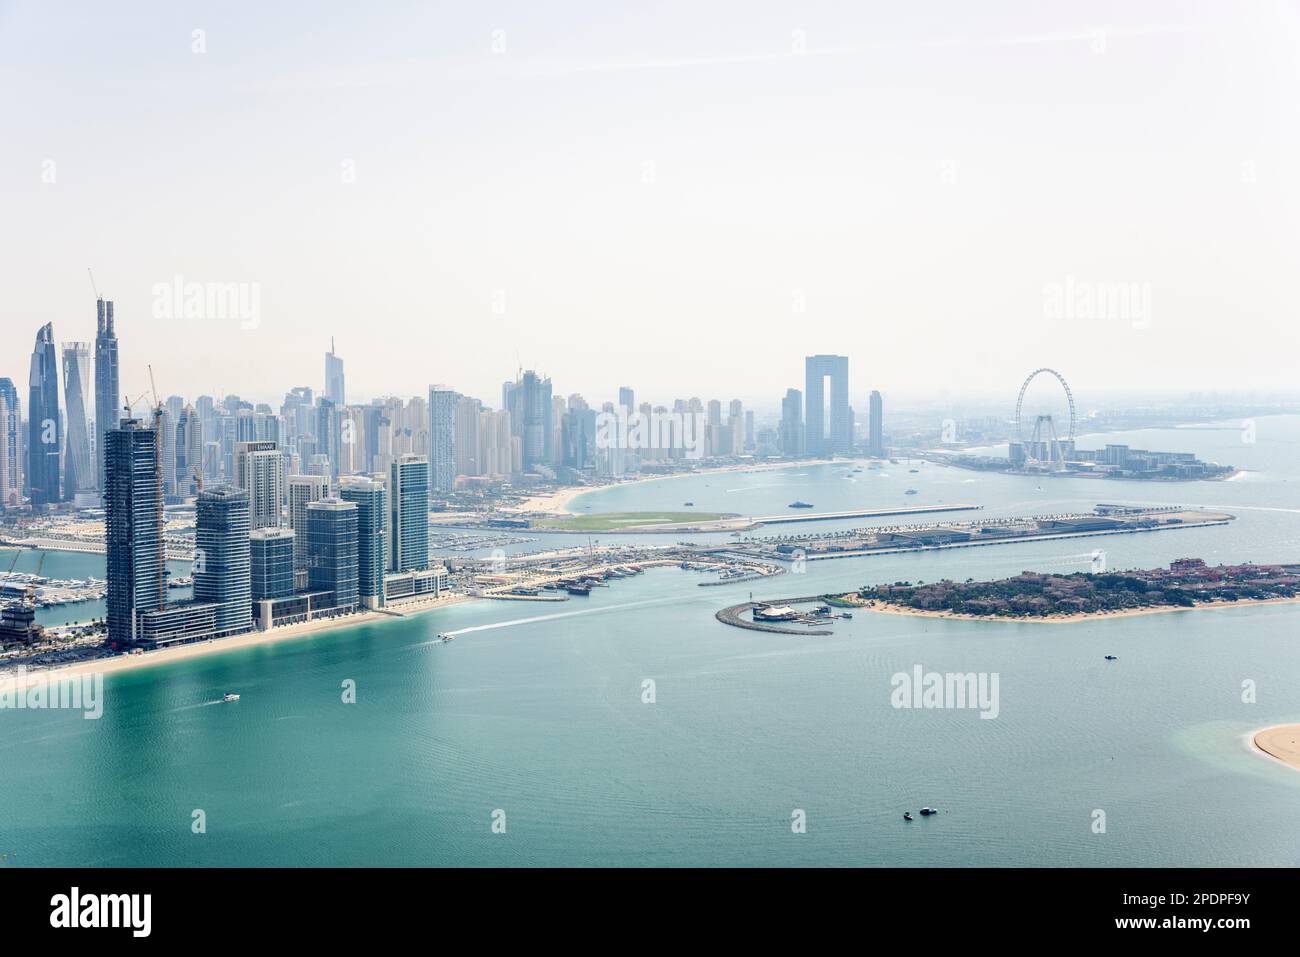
{"type": "Point", "coordinates": [1186, 583]}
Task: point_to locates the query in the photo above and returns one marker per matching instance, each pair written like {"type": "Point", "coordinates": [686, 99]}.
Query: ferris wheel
{"type": "Point", "coordinates": [1043, 445]}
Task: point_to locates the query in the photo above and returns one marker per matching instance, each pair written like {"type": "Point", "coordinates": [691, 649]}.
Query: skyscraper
{"type": "Point", "coordinates": [876, 433]}
{"type": "Point", "coordinates": [467, 423]}
{"type": "Point", "coordinates": [332, 551]}
{"type": "Point", "coordinates": [828, 427]}
{"type": "Point", "coordinates": [368, 496]}
{"type": "Point", "coordinates": [221, 563]}
{"type": "Point", "coordinates": [531, 413]}
{"type": "Point", "coordinates": [165, 425]}
{"type": "Point", "coordinates": [133, 503]}
{"type": "Point", "coordinates": [270, 560]}
{"type": "Point", "coordinates": [408, 508]}
{"type": "Point", "coordinates": [259, 469]}
{"type": "Point", "coordinates": [442, 437]}
{"type": "Point", "coordinates": [792, 423]}
{"type": "Point", "coordinates": [189, 450]}
{"type": "Point", "coordinates": [44, 428]}
{"type": "Point", "coordinates": [11, 446]}
{"type": "Point", "coordinates": [78, 466]}
{"type": "Point", "coordinates": [108, 396]}
{"type": "Point", "coordinates": [334, 378]}
{"type": "Point", "coordinates": [303, 490]}
{"type": "Point", "coordinates": [327, 433]}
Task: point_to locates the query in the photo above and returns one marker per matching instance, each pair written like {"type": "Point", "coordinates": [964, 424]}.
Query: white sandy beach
{"type": "Point", "coordinates": [558, 501]}
{"type": "Point", "coordinates": [167, 656]}
{"type": "Point", "coordinates": [1280, 742]}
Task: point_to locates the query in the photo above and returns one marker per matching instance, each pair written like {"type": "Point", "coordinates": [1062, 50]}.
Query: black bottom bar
{"type": "Point", "coordinates": [978, 906]}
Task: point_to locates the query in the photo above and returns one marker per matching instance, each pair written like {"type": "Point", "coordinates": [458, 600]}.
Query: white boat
{"type": "Point", "coordinates": [230, 696]}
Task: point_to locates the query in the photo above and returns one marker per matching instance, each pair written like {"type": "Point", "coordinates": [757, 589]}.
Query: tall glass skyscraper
{"type": "Point", "coordinates": [368, 496]}
{"type": "Point", "coordinates": [876, 432]}
{"type": "Point", "coordinates": [270, 563]}
{"type": "Point", "coordinates": [11, 446]}
{"type": "Point", "coordinates": [78, 466]}
{"type": "Point", "coordinates": [133, 502]}
{"type": "Point", "coordinates": [303, 490]}
{"type": "Point", "coordinates": [189, 450]}
{"type": "Point", "coordinates": [334, 378]}
{"type": "Point", "coordinates": [828, 426]}
{"type": "Point", "coordinates": [408, 510]}
{"type": "Point", "coordinates": [332, 551]}
{"type": "Point", "coordinates": [442, 437]}
{"type": "Point", "coordinates": [108, 396]}
{"type": "Point", "coordinates": [792, 433]}
{"type": "Point", "coordinates": [44, 426]}
{"type": "Point", "coordinates": [221, 560]}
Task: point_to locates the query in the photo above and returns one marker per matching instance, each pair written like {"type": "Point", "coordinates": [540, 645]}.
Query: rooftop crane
{"type": "Point", "coordinates": [153, 388]}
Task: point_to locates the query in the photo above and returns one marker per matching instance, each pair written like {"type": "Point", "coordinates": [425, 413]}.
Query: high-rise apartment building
{"type": "Point", "coordinates": [189, 451]}
{"type": "Point", "coordinates": [221, 573]}
{"type": "Point", "coordinates": [442, 437]}
{"type": "Point", "coordinates": [270, 559]}
{"type": "Point", "coordinates": [372, 557]}
{"type": "Point", "coordinates": [11, 446]}
{"type": "Point", "coordinates": [133, 503]}
{"type": "Point", "coordinates": [303, 490]}
{"type": "Point", "coordinates": [792, 423]}
{"type": "Point", "coordinates": [332, 552]}
{"type": "Point", "coordinates": [408, 508]}
{"type": "Point", "coordinates": [259, 469]}
{"type": "Point", "coordinates": [876, 427]}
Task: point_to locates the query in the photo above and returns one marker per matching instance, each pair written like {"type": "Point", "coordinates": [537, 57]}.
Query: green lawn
{"type": "Point", "coordinates": [616, 521]}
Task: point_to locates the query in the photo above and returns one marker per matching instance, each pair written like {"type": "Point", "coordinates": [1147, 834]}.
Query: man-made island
{"type": "Point", "coordinates": [1037, 596]}
{"type": "Point", "coordinates": [1281, 741]}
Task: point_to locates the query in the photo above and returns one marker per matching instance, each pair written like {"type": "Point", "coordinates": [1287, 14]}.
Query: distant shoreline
{"type": "Point", "coordinates": [885, 608]}
{"type": "Point", "coordinates": [558, 502]}
{"type": "Point", "coordinates": [1280, 742]}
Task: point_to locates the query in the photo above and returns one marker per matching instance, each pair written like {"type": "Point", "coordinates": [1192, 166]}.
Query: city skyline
{"type": "Point", "coordinates": [482, 258]}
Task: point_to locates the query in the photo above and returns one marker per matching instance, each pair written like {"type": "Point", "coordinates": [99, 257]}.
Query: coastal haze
{"type": "Point", "coordinates": [785, 436]}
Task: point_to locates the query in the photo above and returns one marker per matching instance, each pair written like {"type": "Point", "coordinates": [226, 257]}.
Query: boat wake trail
{"type": "Point", "coordinates": [564, 614]}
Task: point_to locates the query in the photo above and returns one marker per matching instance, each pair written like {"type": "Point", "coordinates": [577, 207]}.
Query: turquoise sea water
{"type": "Point", "coordinates": [537, 710]}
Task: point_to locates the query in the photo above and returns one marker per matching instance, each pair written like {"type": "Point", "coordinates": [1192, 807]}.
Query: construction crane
{"type": "Point", "coordinates": [92, 284]}
{"type": "Point", "coordinates": [30, 594]}
{"type": "Point", "coordinates": [129, 404]}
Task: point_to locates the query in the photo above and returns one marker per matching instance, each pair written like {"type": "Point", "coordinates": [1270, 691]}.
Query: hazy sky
{"type": "Point", "coordinates": [683, 197]}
